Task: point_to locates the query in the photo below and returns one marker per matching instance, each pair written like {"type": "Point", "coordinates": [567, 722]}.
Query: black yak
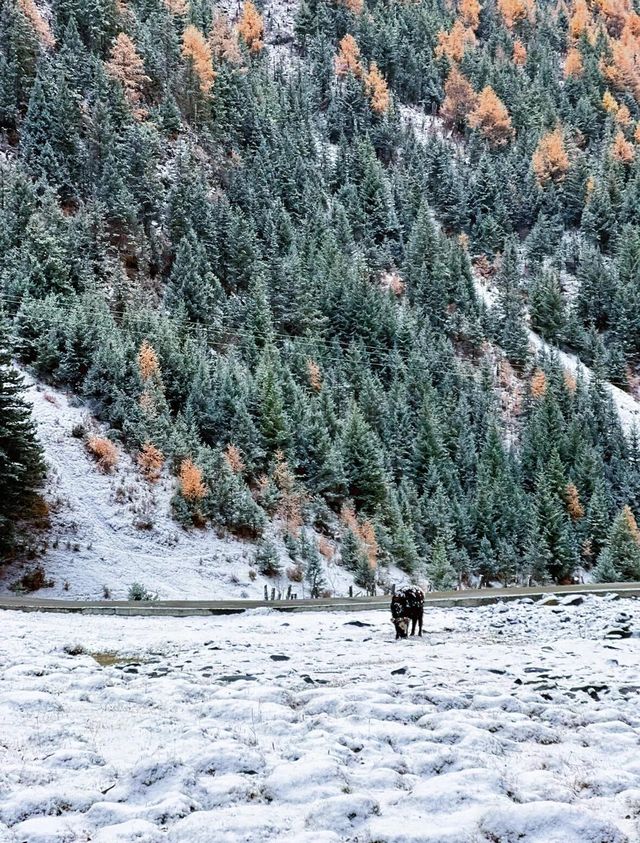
{"type": "Point", "coordinates": [407, 605]}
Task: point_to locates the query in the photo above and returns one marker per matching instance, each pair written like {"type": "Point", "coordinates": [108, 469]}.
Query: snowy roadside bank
{"type": "Point", "coordinates": [513, 722]}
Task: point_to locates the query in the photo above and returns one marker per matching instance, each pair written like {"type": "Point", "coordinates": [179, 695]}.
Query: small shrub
{"type": "Point", "coordinates": [143, 522]}
{"type": "Point", "coordinates": [78, 431]}
{"type": "Point", "coordinates": [32, 580]}
{"type": "Point", "coordinates": [74, 649]}
{"type": "Point", "coordinates": [151, 461]}
{"type": "Point", "coordinates": [252, 574]}
{"type": "Point", "coordinates": [104, 452]}
{"type": "Point", "coordinates": [106, 592]}
{"type": "Point", "coordinates": [295, 573]}
{"type": "Point", "coordinates": [138, 592]}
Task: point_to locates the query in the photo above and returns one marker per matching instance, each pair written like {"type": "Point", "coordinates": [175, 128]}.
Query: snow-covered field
{"type": "Point", "coordinates": [516, 722]}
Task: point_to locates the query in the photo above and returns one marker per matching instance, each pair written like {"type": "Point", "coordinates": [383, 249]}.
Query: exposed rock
{"type": "Point", "coordinates": [573, 600]}
{"type": "Point", "coordinates": [549, 600]}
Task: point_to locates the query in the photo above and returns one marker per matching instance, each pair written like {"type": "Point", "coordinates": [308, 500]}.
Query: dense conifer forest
{"type": "Point", "coordinates": [256, 251]}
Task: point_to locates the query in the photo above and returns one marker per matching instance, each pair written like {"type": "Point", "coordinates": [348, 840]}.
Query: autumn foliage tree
{"type": "Point", "coordinates": [580, 21]}
{"type": "Point", "coordinates": [453, 44]}
{"type": "Point", "coordinates": [38, 22]}
{"type": "Point", "coordinates": [469, 11]}
{"type": "Point", "coordinates": [192, 486]}
{"type": "Point", "coordinates": [623, 71]}
{"type": "Point", "coordinates": [459, 98]}
{"type": "Point", "coordinates": [354, 6]}
{"type": "Point", "coordinates": [177, 7]}
{"type": "Point", "coordinates": [377, 90]}
{"type": "Point", "coordinates": [148, 364]}
{"type": "Point", "coordinates": [519, 53]}
{"type": "Point", "coordinates": [348, 58]}
{"type": "Point", "coordinates": [126, 66]}
{"type": "Point", "coordinates": [538, 384]}
{"type": "Point", "coordinates": [550, 160]}
{"type": "Point", "coordinates": [233, 458]}
{"type": "Point", "coordinates": [514, 11]}
{"type": "Point", "coordinates": [251, 27]}
{"type": "Point", "coordinates": [150, 461]}
{"type": "Point", "coordinates": [622, 150]}
{"type": "Point", "coordinates": [198, 52]}
{"type": "Point", "coordinates": [573, 65]}
{"type": "Point", "coordinates": [491, 118]}
{"type": "Point", "coordinates": [315, 376]}
{"type": "Point", "coordinates": [574, 506]}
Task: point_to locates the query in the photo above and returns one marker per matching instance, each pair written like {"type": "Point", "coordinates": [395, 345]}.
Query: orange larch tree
{"type": "Point", "coordinates": [622, 150]}
{"type": "Point", "coordinates": [233, 458]}
{"type": "Point", "coordinates": [348, 58]}
{"type": "Point", "coordinates": [191, 483]}
{"type": "Point", "coordinates": [377, 90]}
{"type": "Point", "coordinates": [624, 70]}
{"type": "Point", "coordinates": [491, 117]}
{"type": "Point", "coordinates": [573, 63]}
{"type": "Point", "coordinates": [177, 7]}
{"type": "Point", "coordinates": [126, 66]}
{"type": "Point", "coordinates": [469, 11]}
{"type": "Point", "coordinates": [514, 11]}
{"type": "Point", "coordinates": [198, 52]}
{"type": "Point", "coordinates": [623, 116]}
{"type": "Point", "coordinates": [519, 53]}
{"type": "Point", "coordinates": [314, 374]}
{"type": "Point", "coordinates": [147, 360]}
{"type": "Point", "coordinates": [538, 384]}
{"type": "Point", "coordinates": [580, 21]}
{"type": "Point", "coordinates": [38, 22]}
{"type": "Point", "coordinates": [574, 506]}
{"type": "Point", "coordinates": [454, 43]}
{"type": "Point", "coordinates": [251, 27]}
{"type": "Point", "coordinates": [550, 160]}
{"type": "Point", "coordinates": [459, 98]}
{"type": "Point", "coordinates": [609, 102]}
{"type": "Point", "coordinates": [355, 6]}
{"type": "Point", "coordinates": [615, 14]}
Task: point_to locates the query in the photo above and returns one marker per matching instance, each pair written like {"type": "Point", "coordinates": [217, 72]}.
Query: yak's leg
{"type": "Point", "coordinates": [413, 625]}
{"type": "Point", "coordinates": [420, 622]}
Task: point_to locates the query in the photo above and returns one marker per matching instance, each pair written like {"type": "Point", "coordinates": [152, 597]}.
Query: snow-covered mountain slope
{"type": "Point", "coordinates": [508, 723]}
{"type": "Point", "coordinates": [111, 530]}
{"type": "Point", "coordinates": [628, 407]}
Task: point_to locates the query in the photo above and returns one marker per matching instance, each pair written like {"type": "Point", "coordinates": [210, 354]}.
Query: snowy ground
{"type": "Point", "coordinates": [510, 723]}
{"type": "Point", "coordinates": [116, 529]}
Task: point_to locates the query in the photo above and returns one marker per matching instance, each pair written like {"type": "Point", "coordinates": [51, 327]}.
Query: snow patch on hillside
{"type": "Point", "coordinates": [95, 543]}
{"type": "Point", "coordinates": [628, 407]}
{"type": "Point", "coordinates": [504, 723]}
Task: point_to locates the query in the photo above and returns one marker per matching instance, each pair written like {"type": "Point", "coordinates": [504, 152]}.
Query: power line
{"type": "Point", "coordinates": [231, 330]}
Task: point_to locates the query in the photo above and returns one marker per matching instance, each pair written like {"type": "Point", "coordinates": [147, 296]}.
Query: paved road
{"type": "Point", "coordinates": [187, 608]}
